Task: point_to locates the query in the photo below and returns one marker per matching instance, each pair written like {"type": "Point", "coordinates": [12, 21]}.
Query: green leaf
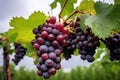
{"type": "Point", "coordinates": [21, 30]}
{"type": "Point", "coordinates": [100, 50]}
{"type": "Point", "coordinates": [23, 27]}
{"type": "Point", "coordinates": [76, 52]}
{"type": "Point", "coordinates": [69, 7]}
{"type": "Point", "coordinates": [117, 2]}
{"type": "Point", "coordinates": [82, 21]}
{"type": "Point", "coordinates": [106, 19]}
{"type": "Point", "coordinates": [85, 6]}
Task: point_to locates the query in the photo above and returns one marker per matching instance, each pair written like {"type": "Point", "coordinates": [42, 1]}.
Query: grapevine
{"type": "Point", "coordinates": [74, 31]}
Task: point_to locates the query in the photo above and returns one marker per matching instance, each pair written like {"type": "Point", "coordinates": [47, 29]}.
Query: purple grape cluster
{"type": "Point", "coordinates": [113, 44]}
{"type": "Point", "coordinates": [69, 49]}
{"type": "Point", "coordinates": [50, 38]}
{"type": "Point", "coordinates": [20, 52]}
{"type": "Point", "coordinates": [86, 42]}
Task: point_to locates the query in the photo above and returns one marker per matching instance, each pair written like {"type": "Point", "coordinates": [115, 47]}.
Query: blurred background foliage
{"type": "Point", "coordinates": [99, 70]}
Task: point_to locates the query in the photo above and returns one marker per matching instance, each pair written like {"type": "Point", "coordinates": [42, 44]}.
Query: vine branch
{"type": "Point", "coordinates": [91, 7]}
{"type": "Point", "coordinates": [6, 65]}
{"type": "Point", "coordinates": [73, 13]}
{"type": "Point", "coordinates": [65, 2]}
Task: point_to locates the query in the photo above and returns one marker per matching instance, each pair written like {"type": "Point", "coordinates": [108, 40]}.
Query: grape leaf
{"type": "Point", "coordinates": [85, 6]}
{"type": "Point", "coordinates": [82, 21]}
{"type": "Point", "coordinates": [100, 50]}
{"type": "Point", "coordinates": [117, 2]}
{"type": "Point", "coordinates": [106, 19]}
{"type": "Point", "coordinates": [23, 28]}
{"type": "Point", "coordinates": [69, 7]}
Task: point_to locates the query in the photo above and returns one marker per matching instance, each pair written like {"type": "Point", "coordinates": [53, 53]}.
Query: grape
{"type": "Point", "coordinates": [59, 26]}
{"type": "Point", "coordinates": [51, 20]}
{"type": "Point", "coordinates": [43, 48]}
{"type": "Point", "coordinates": [90, 58]}
{"type": "Point", "coordinates": [51, 37]}
{"type": "Point", "coordinates": [58, 66]}
{"type": "Point", "coordinates": [64, 43]}
{"type": "Point", "coordinates": [39, 72]}
{"type": "Point", "coordinates": [83, 52]}
{"type": "Point", "coordinates": [56, 32]}
{"type": "Point", "coordinates": [49, 30]}
{"type": "Point", "coordinates": [33, 42]}
{"type": "Point", "coordinates": [51, 49]}
{"type": "Point", "coordinates": [20, 52]}
{"type": "Point", "coordinates": [47, 43]}
{"type": "Point", "coordinates": [38, 53]}
{"type": "Point", "coordinates": [44, 56]}
{"type": "Point", "coordinates": [60, 38]}
{"type": "Point", "coordinates": [52, 71]}
{"type": "Point", "coordinates": [83, 57]}
{"type": "Point", "coordinates": [44, 34]}
{"type": "Point", "coordinates": [49, 62]}
{"type": "Point", "coordinates": [35, 31]}
{"type": "Point", "coordinates": [58, 59]}
{"type": "Point", "coordinates": [44, 67]}
{"type": "Point", "coordinates": [65, 36]}
{"type": "Point", "coordinates": [58, 52]}
{"type": "Point", "coordinates": [41, 60]}
{"type": "Point", "coordinates": [40, 41]}
{"type": "Point", "coordinates": [38, 66]}
{"type": "Point", "coordinates": [55, 44]}
{"type": "Point", "coordinates": [90, 45]}
{"type": "Point", "coordinates": [46, 75]}
{"type": "Point", "coordinates": [65, 30]}
{"type": "Point", "coordinates": [52, 55]}
{"type": "Point", "coordinates": [36, 46]}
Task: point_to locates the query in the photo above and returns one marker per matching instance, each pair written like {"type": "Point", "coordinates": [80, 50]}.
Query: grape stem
{"type": "Point", "coordinates": [6, 65]}
{"type": "Point", "coordinates": [73, 13]}
{"type": "Point", "coordinates": [65, 2]}
{"type": "Point", "coordinates": [91, 7]}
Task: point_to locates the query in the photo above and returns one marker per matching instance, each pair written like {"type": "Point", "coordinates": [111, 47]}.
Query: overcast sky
{"type": "Point", "coordinates": [11, 8]}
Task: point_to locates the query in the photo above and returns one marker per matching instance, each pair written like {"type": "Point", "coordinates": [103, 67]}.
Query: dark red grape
{"type": "Point", "coordinates": [39, 72]}
{"type": "Point", "coordinates": [60, 38]}
{"type": "Point", "coordinates": [40, 41]}
{"type": "Point", "coordinates": [44, 56]}
{"type": "Point", "coordinates": [52, 71]}
{"type": "Point", "coordinates": [44, 34]}
{"type": "Point", "coordinates": [49, 62]}
{"type": "Point", "coordinates": [36, 46]}
{"type": "Point", "coordinates": [51, 37]}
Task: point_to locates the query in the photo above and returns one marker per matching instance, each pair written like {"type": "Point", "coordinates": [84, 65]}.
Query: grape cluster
{"type": "Point", "coordinates": [50, 38]}
{"type": "Point", "coordinates": [20, 51]}
{"type": "Point", "coordinates": [68, 50]}
{"type": "Point", "coordinates": [72, 39]}
{"type": "Point", "coordinates": [113, 44]}
{"type": "Point", "coordinates": [86, 42]}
